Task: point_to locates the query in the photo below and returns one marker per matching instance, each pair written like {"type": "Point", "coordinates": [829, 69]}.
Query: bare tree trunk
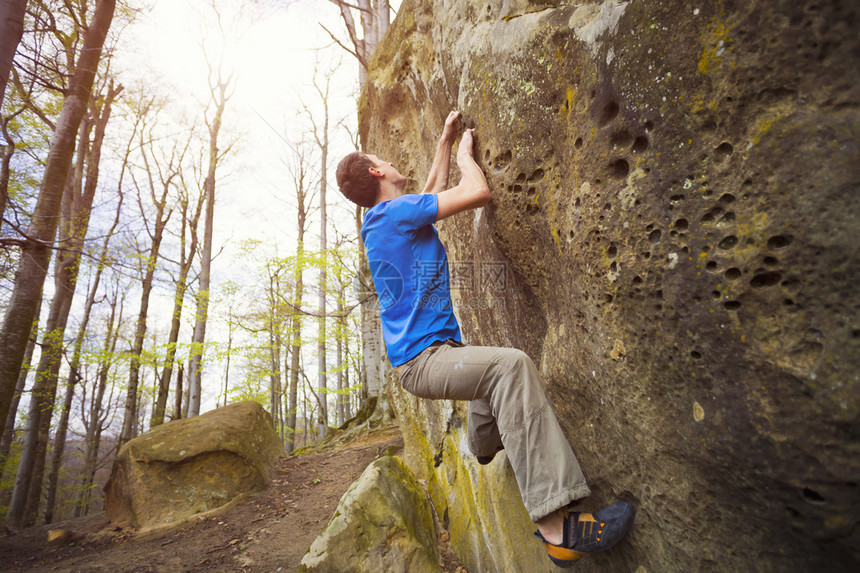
{"type": "Point", "coordinates": [341, 397]}
{"type": "Point", "coordinates": [178, 298]}
{"type": "Point", "coordinates": [81, 213]}
{"type": "Point", "coordinates": [166, 176]}
{"type": "Point", "coordinates": [35, 253]}
{"type": "Point", "coordinates": [275, 343]}
{"type": "Point", "coordinates": [321, 137]}
{"type": "Point", "coordinates": [177, 398]}
{"type": "Point", "coordinates": [28, 483]}
{"type": "Point", "coordinates": [11, 30]}
{"type": "Point", "coordinates": [9, 428]}
{"type": "Point", "coordinates": [219, 100]}
{"type": "Point", "coordinates": [94, 423]}
{"type": "Point", "coordinates": [299, 173]}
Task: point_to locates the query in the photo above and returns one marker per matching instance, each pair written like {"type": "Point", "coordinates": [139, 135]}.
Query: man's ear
{"type": "Point", "coordinates": [374, 171]}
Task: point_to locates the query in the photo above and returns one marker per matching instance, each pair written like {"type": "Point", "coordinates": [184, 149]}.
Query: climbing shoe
{"type": "Point", "coordinates": [587, 532]}
{"type": "Point", "coordinates": [484, 460]}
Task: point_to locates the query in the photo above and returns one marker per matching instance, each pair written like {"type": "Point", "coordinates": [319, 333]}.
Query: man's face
{"type": "Point", "coordinates": [385, 169]}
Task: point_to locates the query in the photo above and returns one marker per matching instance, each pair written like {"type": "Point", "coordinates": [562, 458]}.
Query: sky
{"type": "Point", "coordinates": [273, 49]}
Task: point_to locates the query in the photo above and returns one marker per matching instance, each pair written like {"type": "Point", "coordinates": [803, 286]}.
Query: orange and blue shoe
{"type": "Point", "coordinates": [587, 532]}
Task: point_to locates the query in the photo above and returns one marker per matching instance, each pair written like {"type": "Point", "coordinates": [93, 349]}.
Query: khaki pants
{"type": "Point", "coordinates": [508, 406]}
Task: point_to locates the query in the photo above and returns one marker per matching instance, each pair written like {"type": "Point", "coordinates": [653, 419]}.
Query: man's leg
{"type": "Point", "coordinates": [483, 435]}
{"type": "Point", "coordinates": [547, 473]}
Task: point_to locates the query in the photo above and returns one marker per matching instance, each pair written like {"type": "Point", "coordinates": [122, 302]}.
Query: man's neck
{"type": "Point", "coordinates": [388, 191]}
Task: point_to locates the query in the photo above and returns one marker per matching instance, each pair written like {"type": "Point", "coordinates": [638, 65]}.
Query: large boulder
{"type": "Point", "coordinates": [189, 466]}
{"type": "Point", "coordinates": [673, 240]}
{"type": "Point", "coordinates": [384, 522]}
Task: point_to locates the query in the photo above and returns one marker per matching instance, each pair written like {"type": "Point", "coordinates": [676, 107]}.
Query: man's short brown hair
{"type": "Point", "coordinates": [355, 180]}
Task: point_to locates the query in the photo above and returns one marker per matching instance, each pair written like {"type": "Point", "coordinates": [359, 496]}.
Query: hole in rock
{"type": "Point", "coordinates": [728, 243]}
{"type": "Point", "coordinates": [503, 160]}
{"type": "Point", "coordinates": [724, 150]}
{"type": "Point", "coordinates": [727, 198]}
{"type": "Point", "coordinates": [637, 280]}
{"type": "Point", "coordinates": [531, 192]}
{"type": "Point", "coordinates": [518, 188]}
{"type": "Point", "coordinates": [695, 354]}
{"type": "Point", "coordinates": [681, 224]}
{"type": "Point", "coordinates": [521, 177]}
{"type": "Point", "coordinates": [609, 112]}
{"type": "Point", "coordinates": [788, 302]}
{"type": "Point", "coordinates": [640, 144]}
{"type": "Point", "coordinates": [613, 267]}
{"type": "Point", "coordinates": [733, 273]}
{"type": "Point", "coordinates": [676, 198]}
{"type": "Point", "coordinates": [654, 237]}
{"type": "Point", "coordinates": [779, 241]}
{"type": "Point", "coordinates": [727, 219]}
{"type": "Point", "coordinates": [611, 251]}
{"type": "Point", "coordinates": [765, 280]}
{"type": "Point", "coordinates": [649, 125]}
{"type": "Point", "coordinates": [732, 304]}
{"type": "Point", "coordinates": [536, 176]}
{"type": "Point", "coordinates": [578, 143]}
{"type": "Point", "coordinates": [812, 495]}
{"type": "Point", "coordinates": [619, 168]}
{"type": "Point", "coordinates": [715, 294]}
{"type": "Point", "coordinates": [771, 261]}
{"type": "Point", "coordinates": [709, 125]}
{"type": "Point", "coordinates": [712, 266]}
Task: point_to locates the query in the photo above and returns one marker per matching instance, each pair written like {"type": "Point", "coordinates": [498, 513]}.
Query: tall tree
{"type": "Point", "coordinates": [186, 259]}
{"type": "Point", "coordinates": [160, 172]}
{"type": "Point", "coordinates": [220, 93]}
{"type": "Point", "coordinates": [11, 29]}
{"type": "Point", "coordinates": [74, 364]}
{"type": "Point", "coordinates": [95, 416]}
{"type": "Point", "coordinates": [9, 428]}
{"type": "Point", "coordinates": [78, 201]}
{"type": "Point", "coordinates": [320, 134]}
{"type": "Point", "coordinates": [375, 16]}
{"type": "Point", "coordinates": [299, 170]}
{"type": "Point", "coordinates": [37, 241]}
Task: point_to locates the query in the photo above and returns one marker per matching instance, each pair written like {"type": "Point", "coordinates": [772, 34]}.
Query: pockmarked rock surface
{"type": "Point", "coordinates": [384, 522]}
{"type": "Point", "coordinates": [190, 466]}
{"type": "Point", "coordinates": [673, 239]}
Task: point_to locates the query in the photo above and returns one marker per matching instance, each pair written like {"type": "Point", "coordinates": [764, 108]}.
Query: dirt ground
{"type": "Point", "coordinates": [269, 532]}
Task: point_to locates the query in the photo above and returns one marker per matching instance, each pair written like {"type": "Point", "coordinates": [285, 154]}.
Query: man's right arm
{"type": "Point", "coordinates": [472, 191]}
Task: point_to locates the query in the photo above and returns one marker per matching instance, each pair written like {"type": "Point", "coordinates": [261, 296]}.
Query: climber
{"type": "Point", "coordinates": [508, 408]}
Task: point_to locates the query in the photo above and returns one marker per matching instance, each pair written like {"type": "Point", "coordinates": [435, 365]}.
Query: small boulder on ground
{"type": "Point", "coordinates": [190, 466]}
{"type": "Point", "coordinates": [384, 522]}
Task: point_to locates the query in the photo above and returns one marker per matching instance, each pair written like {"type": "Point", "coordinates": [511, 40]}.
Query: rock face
{"type": "Point", "coordinates": [673, 240]}
{"type": "Point", "coordinates": [189, 466]}
{"type": "Point", "coordinates": [383, 523]}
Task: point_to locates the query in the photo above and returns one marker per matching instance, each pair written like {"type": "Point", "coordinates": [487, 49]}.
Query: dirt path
{"type": "Point", "coordinates": [269, 532]}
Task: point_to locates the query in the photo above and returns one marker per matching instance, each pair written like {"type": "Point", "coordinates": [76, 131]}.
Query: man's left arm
{"type": "Point", "coordinates": [437, 179]}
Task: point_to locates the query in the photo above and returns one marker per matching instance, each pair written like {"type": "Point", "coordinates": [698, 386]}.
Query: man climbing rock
{"type": "Point", "coordinates": [508, 408]}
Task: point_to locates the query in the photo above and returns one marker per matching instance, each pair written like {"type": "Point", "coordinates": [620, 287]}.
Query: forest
{"type": "Point", "coordinates": [172, 239]}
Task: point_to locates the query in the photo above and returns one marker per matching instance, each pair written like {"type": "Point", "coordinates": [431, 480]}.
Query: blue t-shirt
{"type": "Point", "coordinates": [410, 272]}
